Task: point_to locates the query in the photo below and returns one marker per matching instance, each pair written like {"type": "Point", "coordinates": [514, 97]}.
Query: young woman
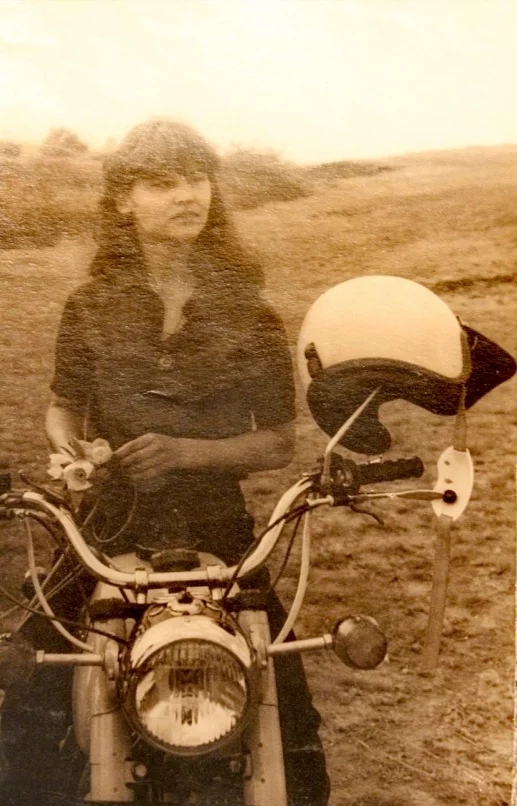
{"type": "Point", "coordinates": [170, 353]}
{"type": "Point", "coordinates": [170, 350]}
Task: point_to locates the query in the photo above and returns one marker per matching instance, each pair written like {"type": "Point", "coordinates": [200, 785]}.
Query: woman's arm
{"type": "Point", "coordinates": [73, 379]}
{"type": "Point", "coordinates": [151, 455]}
{"type": "Point", "coordinates": [62, 423]}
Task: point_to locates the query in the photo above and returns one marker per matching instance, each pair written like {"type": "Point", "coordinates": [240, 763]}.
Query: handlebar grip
{"type": "Point", "coordinates": [389, 471]}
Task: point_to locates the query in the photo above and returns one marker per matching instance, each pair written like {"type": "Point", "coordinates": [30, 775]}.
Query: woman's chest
{"type": "Point", "coordinates": [173, 297]}
{"type": "Point", "coordinates": [157, 347]}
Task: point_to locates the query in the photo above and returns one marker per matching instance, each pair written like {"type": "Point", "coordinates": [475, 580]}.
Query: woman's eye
{"type": "Point", "coordinates": [163, 184]}
{"type": "Point", "coordinates": [198, 176]}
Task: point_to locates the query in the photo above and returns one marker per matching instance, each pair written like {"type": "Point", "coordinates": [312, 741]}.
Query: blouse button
{"type": "Point", "coordinates": [165, 361]}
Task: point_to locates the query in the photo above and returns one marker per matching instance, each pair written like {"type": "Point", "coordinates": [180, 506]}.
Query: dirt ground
{"type": "Point", "coordinates": [393, 736]}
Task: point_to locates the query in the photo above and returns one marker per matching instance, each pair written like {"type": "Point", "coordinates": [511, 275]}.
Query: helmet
{"type": "Point", "coordinates": [394, 335]}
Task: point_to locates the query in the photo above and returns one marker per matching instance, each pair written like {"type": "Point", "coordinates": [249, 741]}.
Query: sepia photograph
{"type": "Point", "coordinates": [258, 414]}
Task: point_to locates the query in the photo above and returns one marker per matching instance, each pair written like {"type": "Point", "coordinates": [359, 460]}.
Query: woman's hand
{"type": "Point", "coordinates": [150, 456]}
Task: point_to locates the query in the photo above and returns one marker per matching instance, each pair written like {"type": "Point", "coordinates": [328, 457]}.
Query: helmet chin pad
{"type": "Point", "coordinates": [326, 403]}
{"type": "Point", "coordinates": [335, 393]}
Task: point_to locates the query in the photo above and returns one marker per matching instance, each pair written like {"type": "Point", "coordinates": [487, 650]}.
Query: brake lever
{"type": "Point", "coordinates": [415, 495]}
{"type": "Point", "coordinates": [367, 512]}
{"type": "Point", "coordinates": [418, 495]}
{"type": "Point", "coordinates": [52, 496]}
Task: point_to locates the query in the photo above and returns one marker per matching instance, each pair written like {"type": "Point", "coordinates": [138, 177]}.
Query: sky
{"type": "Point", "coordinates": [313, 80]}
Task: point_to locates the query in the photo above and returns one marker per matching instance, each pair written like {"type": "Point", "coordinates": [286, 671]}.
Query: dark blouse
{"type": "Point", "coordinates": [225, 372]}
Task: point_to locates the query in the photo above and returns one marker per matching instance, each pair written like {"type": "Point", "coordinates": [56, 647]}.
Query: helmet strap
{"type": "Point", "coordinates": [459, 439]}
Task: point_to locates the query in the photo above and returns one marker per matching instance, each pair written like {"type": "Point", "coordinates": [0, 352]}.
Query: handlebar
{"type": "Point", "coordinates": [391, 470]}
{"type": "Point", "coordinates": [34, 504]}
{"type": "Point", "coordinates": [346, 478]}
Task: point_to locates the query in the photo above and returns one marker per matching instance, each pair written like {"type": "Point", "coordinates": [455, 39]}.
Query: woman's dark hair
{"type": "Point", "coordinates": [154, 149]}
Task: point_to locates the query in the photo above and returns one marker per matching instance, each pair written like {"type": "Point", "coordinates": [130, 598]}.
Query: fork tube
{"type": "Point", "coordinates": [265, 786]}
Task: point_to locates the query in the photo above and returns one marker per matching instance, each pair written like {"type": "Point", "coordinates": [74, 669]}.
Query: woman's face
{"type": "Point", "coordinates": [171, 208]}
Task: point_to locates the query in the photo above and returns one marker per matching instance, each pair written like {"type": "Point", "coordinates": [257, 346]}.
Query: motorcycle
{"type": "Point", "coordinates": [174, 697]}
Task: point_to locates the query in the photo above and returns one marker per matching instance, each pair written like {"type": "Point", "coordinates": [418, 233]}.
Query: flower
{"type": "Point", "coordinates": [100, 452]}
{"type": "Point", "coordinates": [76, 468]}
{"type": "Point", "coordinates": [58, 462]}
{"type": "Point", "coordinates": [76, 475]}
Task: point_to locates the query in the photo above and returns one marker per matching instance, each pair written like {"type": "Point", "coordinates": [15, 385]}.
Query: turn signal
{"type": "Point", "coordinates": [359, 642]}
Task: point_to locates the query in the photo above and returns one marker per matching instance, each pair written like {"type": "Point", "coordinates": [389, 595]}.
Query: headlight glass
{"type": "Point", "coordinates": [189, 696]}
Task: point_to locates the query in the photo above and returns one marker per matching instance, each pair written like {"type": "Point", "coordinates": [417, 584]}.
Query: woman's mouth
{"type": "Point", "coordinates": [187, 215]}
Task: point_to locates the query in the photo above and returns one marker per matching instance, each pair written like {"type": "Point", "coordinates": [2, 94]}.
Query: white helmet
{"type": "Point", "coordinates": [392, 333]}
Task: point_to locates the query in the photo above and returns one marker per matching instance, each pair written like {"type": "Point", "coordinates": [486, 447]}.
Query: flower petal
{"type": "Point", "coordinates": [60, 459]}
{"type": "Point", "coordinates": [76, 475]}
{"type": "Point", "coordinates": [101, 454]}
{"type": "Point", "coordinates": [55, 472]}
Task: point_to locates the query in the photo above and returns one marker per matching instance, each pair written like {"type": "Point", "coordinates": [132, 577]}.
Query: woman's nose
{"type": "Point", "coordinates": [184, 190]}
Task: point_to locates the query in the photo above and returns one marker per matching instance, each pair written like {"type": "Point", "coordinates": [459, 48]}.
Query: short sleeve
{"type": "Point", "coordinates": [271, 391]}
{"type": "Point", "coordinates": [73, 374]}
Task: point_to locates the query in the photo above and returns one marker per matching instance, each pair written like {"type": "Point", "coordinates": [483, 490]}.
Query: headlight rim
{"type": "Point", "coordinates": [135, 672]}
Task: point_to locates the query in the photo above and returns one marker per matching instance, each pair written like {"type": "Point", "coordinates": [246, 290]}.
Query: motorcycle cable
{"type": "Point", "coordinates": [61, 619]}
{"type": "Point", "coordinates": [55, 534]}
{"type": "Point", "coordinates": [66, 554]}
{"type": "Point", "coordinates": [11, 610]}
{"type": "Point", "coordinates": [59, 622]}
{"type": "Point", "coordinates": [288, 550]}
{"type": "Point", "coordinates": [75, 572]}
{"type": "Point", "coordinates": [66, 550]}
{"type": "Point", "coordinates": [53, 592]}
{"type": "Point", "coordinates": [89, 519]}
{"type": "Point", "coordinates": [286, 518]}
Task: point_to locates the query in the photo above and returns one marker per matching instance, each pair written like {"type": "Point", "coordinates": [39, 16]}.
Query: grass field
{"type": "Point", "coordinates": [393, 736]}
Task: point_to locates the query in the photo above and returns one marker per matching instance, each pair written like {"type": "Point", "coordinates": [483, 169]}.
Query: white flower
{"type": "Point", "coordinates": [60, 459]}
{"type": "Point", "coordinates": [100, 452]}
{"type": "Point", "coordinates": [77, 473]}
{"type": "Point", "coordinates": [58, 462]}
{"type": "Point", "coordinates": [76, 470]}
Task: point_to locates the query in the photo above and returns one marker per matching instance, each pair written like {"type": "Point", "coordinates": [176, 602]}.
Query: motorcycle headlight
{"type": "Point", "coordinates": [187, 685]}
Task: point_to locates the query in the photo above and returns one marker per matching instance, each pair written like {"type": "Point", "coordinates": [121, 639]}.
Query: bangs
{"type": "Point", "coordinates": [156, 149]}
